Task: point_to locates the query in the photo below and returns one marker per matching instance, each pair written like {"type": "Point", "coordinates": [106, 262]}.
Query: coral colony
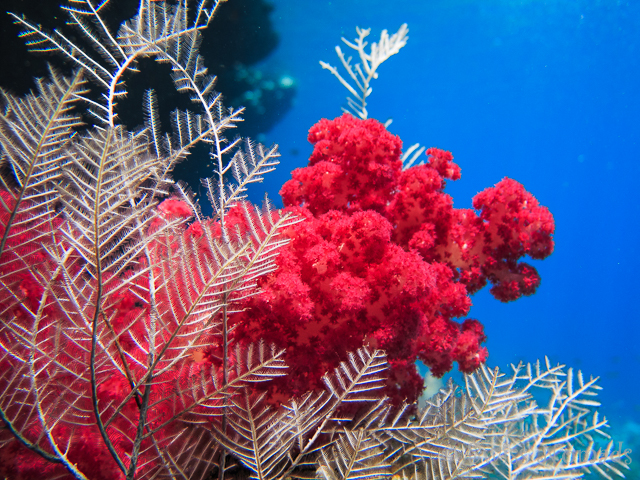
{"type": "Point", "coordinates": [140, 339]}
{"type": "Point", "coordinates": [383, 258]}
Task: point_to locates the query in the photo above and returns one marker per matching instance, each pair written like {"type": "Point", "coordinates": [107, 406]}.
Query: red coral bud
{"type": "Point", "coordinates": [468, 352]}
{"type": "Point", "coordinates": [511, 282]}
{"type": "Point", "coordinates": [354, 166]}
{"type": "Point", "coordinates": [418, 202]}
{"type": "Point", "coordinates": [517, 224]}
{"type": "Point", "coordinates": [172, 207]}
{"type": "Point", "coordinates": [319, 188]}
{"type": "Point", "coordinates": [442, 161]}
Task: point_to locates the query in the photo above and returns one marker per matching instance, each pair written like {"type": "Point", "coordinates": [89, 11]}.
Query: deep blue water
{"type": "Point", "coordinates": [544, 92]}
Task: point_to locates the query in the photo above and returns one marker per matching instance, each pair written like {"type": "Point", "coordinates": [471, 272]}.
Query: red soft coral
{"type": "Point", "coordinates": [481, 247]}
{"type": "Point", "coordinates": [384, 257]}
{"type": "Point", "coordinates": [519, 225]}
{"type": "Point", "coordinates": [351, 283]}
{"type": "Point", "coordinates": [354, 166]}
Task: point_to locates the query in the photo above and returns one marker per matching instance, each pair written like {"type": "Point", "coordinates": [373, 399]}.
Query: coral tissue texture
{"type": "Point", "coordinates": [383, 258]}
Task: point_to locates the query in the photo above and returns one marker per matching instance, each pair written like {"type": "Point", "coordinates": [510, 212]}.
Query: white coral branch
{"type": "Point", "coordinates": [362, 73]}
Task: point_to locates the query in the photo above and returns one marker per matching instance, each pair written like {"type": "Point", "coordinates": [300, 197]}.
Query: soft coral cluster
{"type": "Point", "coordinates": [126, 306]}
{"type": "Point", "coordinates": [383, 257]}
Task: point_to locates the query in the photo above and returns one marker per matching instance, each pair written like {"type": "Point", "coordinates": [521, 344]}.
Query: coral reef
{"type": "Point", "coordinates": [127, 317]}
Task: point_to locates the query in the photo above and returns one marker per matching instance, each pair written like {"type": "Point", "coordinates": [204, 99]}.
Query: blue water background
{"type": "Point", "coordinates": [544, 92]}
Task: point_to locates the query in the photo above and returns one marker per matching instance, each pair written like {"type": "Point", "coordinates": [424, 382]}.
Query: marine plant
{"type": "Point", "coordinates": [126, 349]}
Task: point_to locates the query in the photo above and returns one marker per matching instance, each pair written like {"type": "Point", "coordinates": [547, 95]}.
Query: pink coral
{"type": "Point", "coordinates": [354, 166]}
{"type": "Point", "coordinates": [383, 257]}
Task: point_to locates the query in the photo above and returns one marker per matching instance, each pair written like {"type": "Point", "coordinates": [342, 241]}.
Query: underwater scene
{"type": "Point", "coordinates": [543, 92]}
{"type": "Point", "coordinates": [449, 191]}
